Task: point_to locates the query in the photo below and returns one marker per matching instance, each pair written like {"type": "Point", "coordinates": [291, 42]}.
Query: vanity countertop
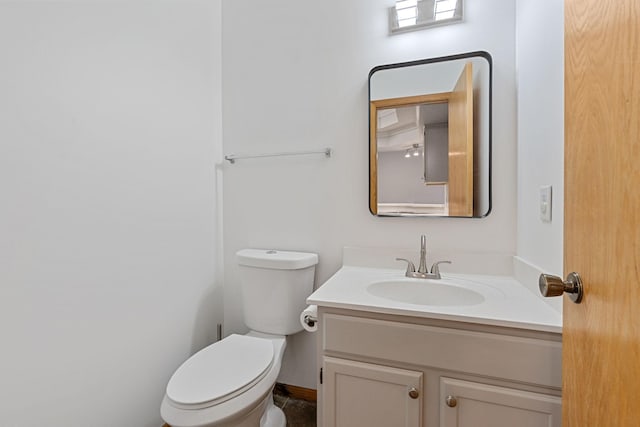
{"type": "Point", "coordinates": [506, 303]}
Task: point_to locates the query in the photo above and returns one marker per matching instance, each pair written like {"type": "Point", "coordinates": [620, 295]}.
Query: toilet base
{"type": "Point", "coordinates": [273, 416]}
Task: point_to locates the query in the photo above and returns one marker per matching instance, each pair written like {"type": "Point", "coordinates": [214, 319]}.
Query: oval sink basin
{"type": "Point", "coordinates": [425, 292]}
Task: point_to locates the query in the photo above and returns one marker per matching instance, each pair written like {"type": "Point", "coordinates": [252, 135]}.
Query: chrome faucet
{"type": "Point", "coordinates": [422, 268]}
{"type": "Point", "coordinates": [422, 272]}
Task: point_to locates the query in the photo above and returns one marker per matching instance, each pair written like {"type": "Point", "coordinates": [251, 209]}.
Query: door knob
{"type": "Point", "coordinates": [553, 286]}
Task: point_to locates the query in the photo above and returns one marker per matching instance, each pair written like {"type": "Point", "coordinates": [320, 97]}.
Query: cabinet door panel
{"type": "Point", "coordinates": [482, 405]}
{"type": "Point", "coordinates": [365, 394]}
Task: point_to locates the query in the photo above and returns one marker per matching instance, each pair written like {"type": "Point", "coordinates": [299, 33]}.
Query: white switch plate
{"type": "Point", "coordinates": [545, 203]}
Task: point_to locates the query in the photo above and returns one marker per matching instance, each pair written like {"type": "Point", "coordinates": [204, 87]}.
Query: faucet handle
{"type": "Point", "coordinates": [435, 268]}
{"type": "Point", "coordinates": [411, 268]}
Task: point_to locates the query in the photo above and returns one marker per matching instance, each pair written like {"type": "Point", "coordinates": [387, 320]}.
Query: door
{"type": "Point", "coordinates": [472, 404]}
{"type": "Point", "coordinates": [365, 394]}
{"type": "Point", "coordinates": [601, 336]}
{"type": "Point", "coordinates": [461, 145]}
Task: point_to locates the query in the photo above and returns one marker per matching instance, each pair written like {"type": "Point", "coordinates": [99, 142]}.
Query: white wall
{"type": "Point", "coordinates": [401, 179]}
{"type": "Point", "coordinates": [295, 77]}
{"type": "Point", "coordinates": [109, 129]}
{"type": "Point", "coordinates": [540, 80]}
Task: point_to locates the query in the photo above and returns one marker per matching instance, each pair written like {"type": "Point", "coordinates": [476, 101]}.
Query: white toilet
{"type": "Point", "coordinates": [230, 382]}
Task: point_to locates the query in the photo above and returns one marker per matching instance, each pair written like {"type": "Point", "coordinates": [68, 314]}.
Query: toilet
{"type": "Point", "coordinates": [230, 382]}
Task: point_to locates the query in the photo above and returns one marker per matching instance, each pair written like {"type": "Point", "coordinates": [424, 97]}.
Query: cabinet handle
{"type": "Point", "coordinates": [413, 393]}
{"type": "Point", "coordinates": [451, 401]}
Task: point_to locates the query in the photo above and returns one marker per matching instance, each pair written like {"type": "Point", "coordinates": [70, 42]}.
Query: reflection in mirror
{"type": "Point", "coordinates": [430, 137]}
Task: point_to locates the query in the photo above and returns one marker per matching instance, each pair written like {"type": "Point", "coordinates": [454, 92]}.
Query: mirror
{"type": "Point", "coordinates": [430, 137]}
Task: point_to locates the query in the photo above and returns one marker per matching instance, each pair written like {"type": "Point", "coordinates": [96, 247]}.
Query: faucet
{"type": "Point", "coordinates": [422, 268]}
{"type": "Point", "coordinates": [422, 272]}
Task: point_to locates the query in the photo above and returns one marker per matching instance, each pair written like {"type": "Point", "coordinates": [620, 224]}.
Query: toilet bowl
{"type": "Point", "coordinates": [230, 382]}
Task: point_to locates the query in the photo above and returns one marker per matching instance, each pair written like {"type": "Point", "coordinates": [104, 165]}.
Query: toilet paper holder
{"type": "Point", "coordinates": [310, 320]}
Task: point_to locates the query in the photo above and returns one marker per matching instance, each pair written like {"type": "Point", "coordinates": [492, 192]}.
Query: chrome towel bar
{"type": "Point", "coordinates": [232, 157]}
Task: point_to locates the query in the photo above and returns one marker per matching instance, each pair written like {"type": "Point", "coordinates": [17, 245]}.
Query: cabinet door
{"type": "Point", "coordinates": [364, 394]}
{"type": "Point", "coordinates": [482, 405]}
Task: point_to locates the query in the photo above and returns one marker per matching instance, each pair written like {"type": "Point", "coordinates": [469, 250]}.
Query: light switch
{"type": "Point", "coordinates": [545, 203]}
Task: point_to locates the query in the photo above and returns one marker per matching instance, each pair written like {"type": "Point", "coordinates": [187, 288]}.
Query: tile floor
{"type": "Point", "coordinates": [299, 413]}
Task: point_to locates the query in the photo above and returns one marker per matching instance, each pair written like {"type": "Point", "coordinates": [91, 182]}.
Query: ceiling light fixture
{"type": "Point", "coordinates": [413, 151]}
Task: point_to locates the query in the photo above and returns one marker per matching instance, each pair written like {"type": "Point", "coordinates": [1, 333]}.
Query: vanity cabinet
{"type": "Point", "coordinates": [389, 370]}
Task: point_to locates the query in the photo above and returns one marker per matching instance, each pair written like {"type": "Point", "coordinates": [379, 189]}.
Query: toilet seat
{"type": "Point", "coordinates": [220, 372]}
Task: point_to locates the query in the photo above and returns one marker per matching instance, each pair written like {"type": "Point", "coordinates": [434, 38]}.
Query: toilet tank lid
{"type": "Point", "coordinates": [275, 259]}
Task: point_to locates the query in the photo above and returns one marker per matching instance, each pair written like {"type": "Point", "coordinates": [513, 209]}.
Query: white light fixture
{"type": "Point", "coordinates": [406, 12]}
{"type": "Point", "coordinates": [444, 9]}
{"type": "Point", "coordinates": [409, 15]}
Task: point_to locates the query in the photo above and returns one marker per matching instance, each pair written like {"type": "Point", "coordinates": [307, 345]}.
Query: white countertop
{"type": "Point", "coordinates": [506, 301]}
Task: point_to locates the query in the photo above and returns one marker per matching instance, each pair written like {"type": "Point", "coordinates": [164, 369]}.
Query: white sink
{"type": "Point", "coordinates": [472, 298]}
{"type": "Point", "coordinates": [441, 292]}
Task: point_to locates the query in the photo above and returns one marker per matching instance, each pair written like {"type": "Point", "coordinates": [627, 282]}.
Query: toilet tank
{"type": "Point", "coordinates": [275, 285]}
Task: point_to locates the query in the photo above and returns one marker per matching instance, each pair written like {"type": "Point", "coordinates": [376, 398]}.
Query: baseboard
{"type": "Point", "coordinates": [296, 392]}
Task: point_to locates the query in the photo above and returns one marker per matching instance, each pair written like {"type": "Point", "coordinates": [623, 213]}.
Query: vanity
{"type": "Point", "coordinates": [465, 351]}
{"type": "Point", "coordinates": [417, 348]}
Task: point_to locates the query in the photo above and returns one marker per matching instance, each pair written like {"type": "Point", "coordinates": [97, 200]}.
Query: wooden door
{"type": "Point", "coordinates": [601, 336]}
{"type": "Point", "coordinates": [461, 145]}
{"type": "Point", "coordinates": [365, 394]}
